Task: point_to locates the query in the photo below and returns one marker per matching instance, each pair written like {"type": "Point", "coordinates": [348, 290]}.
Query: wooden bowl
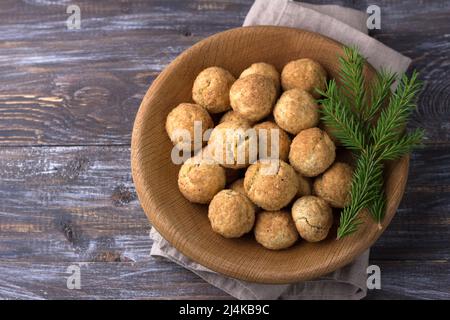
{"type": "Point", "coordinates": [185, 225]}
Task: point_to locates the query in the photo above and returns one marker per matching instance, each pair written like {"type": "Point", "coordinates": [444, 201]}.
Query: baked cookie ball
{"type": "Point", "coordinates": [233, 116]}
{"type": "Point", "coordinates": [304, 186]}
{"type": "Point", "coordinates": [296, 110]}
{"type": "Point", "coordinates": [238, 186]}
{"type": "Point", "coordinates": [199, 180]}
{"type": "Point", "coordinates": [253, 97]}
{"type": "Point", "coordinates": [233, 144]}
{"type": "Point", "coordinates": [182, 118]}
{"type": "Point", "coordinates": [211, 89]}
{"type": "Point", "coordinates": [271, 184]}
{"type": "Point", "coordinates": [264, 131]}
{"type": "Point", "coordinates": [231, 214]}
{"type": "Point", "coordinates": [313, 218]}
{"type": "Point", "coordinates": [275, 230]}
{"type": "Point", "coordinates": [304, 74]}
{"type": "Point", "coordinates": [334, 185]}
{"type": "Point", "coordinates": [263, 69]}
{"type": "Point", "coordinates": [312, 152]}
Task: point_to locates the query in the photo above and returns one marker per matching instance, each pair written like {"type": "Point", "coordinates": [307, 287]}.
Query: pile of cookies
{"type": "Point", "coordinates": [294, 200]}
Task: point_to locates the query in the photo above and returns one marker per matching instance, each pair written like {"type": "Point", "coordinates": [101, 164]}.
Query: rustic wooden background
{"type": "Point", "coordinates": [67, 104]}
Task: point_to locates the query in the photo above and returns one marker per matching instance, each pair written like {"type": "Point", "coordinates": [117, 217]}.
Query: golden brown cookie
{"type": "Point", "coordinates": [233, 144]}
{"type": "Point", "coordinates": [231, 214]}
{"type": "Point", "coordinates": [211, 89]}
{"type": "Point", "coordinates": [313, 218]}
{"type": "Point", "coordinates": [312, 152]}
{"type": "Point", "coordinates": [263, 69]}
{"type": "Point", "coordinates": [199, 180]}
{"type": "Point", "coordinates": [233, 116]}
{"type": "Point", "coordinates": [304, 74]}
{"type": "Point", "coordinates": [238, 186]}
{"type": "Point", "coordinates": [271, 184]}
{"type": "Point", "coordinates": [275, 230]}
{"type": "Point", "coordinates": [334, 185]}
{"type": "Point", "coordinates": [183, 117]}
{"type": "Point", "coordinates": [253, 97]}
{"type": "Point", "coordinates": [264, 131]}
{"type": "Point", "coordinates": [296, 110]}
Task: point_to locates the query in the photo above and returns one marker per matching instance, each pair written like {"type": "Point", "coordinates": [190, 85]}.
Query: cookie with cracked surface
{"type": "Point", "coordinates": [313, 218]}
{"type": "Point", "coordinates": [271, 184]}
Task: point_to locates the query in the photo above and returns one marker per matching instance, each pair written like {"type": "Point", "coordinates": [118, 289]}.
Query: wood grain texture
{"type": "Point", "coordinates": [119, 50]}
{"type": "Point", "coordinates": [54, 76]}
{"type": "Point", "coordinates": [126, 280]}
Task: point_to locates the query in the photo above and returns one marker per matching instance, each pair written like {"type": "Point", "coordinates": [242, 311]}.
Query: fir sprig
{"type": "Point", "coordinates": [335, 114]}
{"type": "Point", "coordinates": [393, 119]}
{"type": "Point", "coordinates": [364, 191]}
{"type": "Point", "coordinates": [378, 93]}
{"type": "Point", "coordinates": [352, 78]}
{"type": "Point", "coordinates": [350, 110]}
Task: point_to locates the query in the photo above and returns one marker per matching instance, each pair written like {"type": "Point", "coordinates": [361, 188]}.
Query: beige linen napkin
{"type": "Point", "coordinates": [347, 26]}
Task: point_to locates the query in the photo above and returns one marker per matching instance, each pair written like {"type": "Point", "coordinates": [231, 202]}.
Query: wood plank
{"type": "Point", "coordinates": [79, 204]}
{"type": "Point", "coordinates": [412, 280]}
{"type": "Point", "coordinates": [61, 87]}
{"type": "Point", "coordinates": [103, 280]}
{"type": "Point", "coordinates": [127, 280]}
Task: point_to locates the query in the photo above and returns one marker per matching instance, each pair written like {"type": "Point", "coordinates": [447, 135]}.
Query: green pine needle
{"type": "Point", "coordinates": [350, 110]}
{"type": "Point", "coordinates": [367, 181]}
{"type": "Point", "coordinates": [379, 92]}
{"type": "Point", "coordinates": [404, 145]}
{"type": "Point", "coordinates": [352, 78]}
{"type": "Point", "coordinates": [345, 125]}
{"type": "Point", "coordinates": [378, 205]}
{"type": "Point", "coordinates": [393, 119]}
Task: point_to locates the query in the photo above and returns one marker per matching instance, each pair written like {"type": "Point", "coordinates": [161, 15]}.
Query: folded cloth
{"type": "Point", "coordinates": [347, 26]}
{"type": "Point", "coordinates": [348, 282]}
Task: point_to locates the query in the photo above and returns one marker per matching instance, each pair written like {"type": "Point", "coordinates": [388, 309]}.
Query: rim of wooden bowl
{"type": "Point", "coordinates": [253, 263]}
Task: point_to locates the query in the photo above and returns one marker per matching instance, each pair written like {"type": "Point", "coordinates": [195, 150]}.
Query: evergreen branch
{"type": "Point", "coordinates": [402, 146]}
{"type": "Point", "coordinates": [379, 91]}
{"type": "Point", "coordinates": [346, 126]}
{"type": "Point", "coordinates": [367, 180]}
{"type": "Point", "coordinates": [393, 119]}
{"type": "Point", "coordinates": [348, 111]}
{"type": "Point", "coordinates": [352, 78]}
{"type": "Point", "coordinates": [378, 205]}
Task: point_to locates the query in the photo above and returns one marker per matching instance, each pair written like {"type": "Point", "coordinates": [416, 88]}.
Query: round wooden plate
{"type": "Point", "coordinates": [185, 225]}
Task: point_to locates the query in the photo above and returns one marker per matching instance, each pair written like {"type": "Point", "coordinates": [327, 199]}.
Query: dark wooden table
{"type": "Point", "coordinates": [67, 104]}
